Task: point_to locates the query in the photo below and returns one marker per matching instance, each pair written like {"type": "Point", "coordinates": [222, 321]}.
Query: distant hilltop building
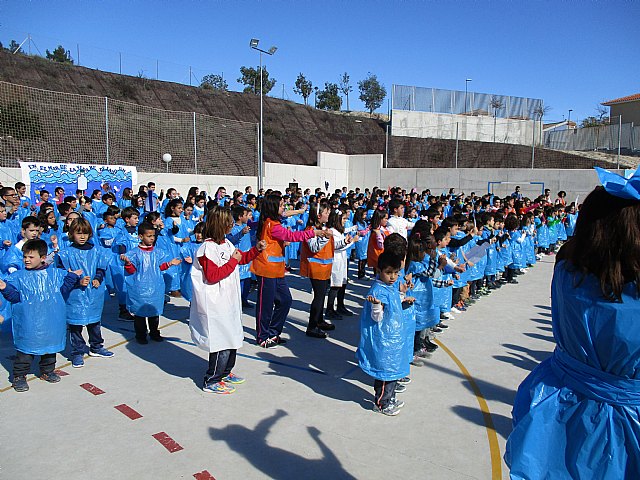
{"type": "Point", "coordinates": [628, 107]}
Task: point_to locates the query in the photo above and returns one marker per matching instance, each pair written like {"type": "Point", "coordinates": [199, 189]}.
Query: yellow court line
{"type": "Point", "coordinates": [111, 347]}
{"type": "Point", "coordinates": [494, 447]}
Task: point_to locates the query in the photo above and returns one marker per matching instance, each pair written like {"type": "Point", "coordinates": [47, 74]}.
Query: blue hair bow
{"type": "Point", "coordinates": [618, 186]}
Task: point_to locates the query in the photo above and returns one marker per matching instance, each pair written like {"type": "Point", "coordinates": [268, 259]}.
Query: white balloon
{"type": "Point", "coordinates": [166, 157]}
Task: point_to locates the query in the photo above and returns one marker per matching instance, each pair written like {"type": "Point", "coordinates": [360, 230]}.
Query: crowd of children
{"type": "Point", "coordinates": [431, 256]}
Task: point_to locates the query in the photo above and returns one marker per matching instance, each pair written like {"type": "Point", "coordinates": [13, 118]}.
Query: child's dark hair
{"type": "Point", "coordinates": [145, 227]}
{"type": "Point", "coordinates": [269, 210]}
{"type": "Point", "coordinates": [440, 234]}
{"type": "Point", "coordinates": [335, 220]}
{"type": "Point", "coordinates": [388, 259]}
{"type": "Point", "coordinates": [30, 220]}
{"type": "Point", "coordinates": [314, 210]}
{"type": "Point", "coordinates": [511, 222]}
{"type": "Point", "coordinates": [108, 196]}
{"type": "Point", "coordinates": [64, 209]}
{"type": "Point", "coordinates": [199, 228]}
{"type": "Point", "coordinates": [394, 204]}
{"type": "Point", "coordinates": [151, 217]}
{"type": "Point", "coordinates": [396, 244]}
{"type": "Point", "coordinates": [378, 215]}
{"type": "Point", "coordinates": [237, 211]}
{"type": "Point", "coordinates": [415, 249]}
{"type": "Point", "coordinates": [168, 211]}
{"type": "Point", "coordinates": [129, 212]}
{"type": "Point", "coordinates": [360, 216]}
{"type": "Point", "coordinates": [111, 211]}
{"type": "Point", "coordinates": [35, 245]}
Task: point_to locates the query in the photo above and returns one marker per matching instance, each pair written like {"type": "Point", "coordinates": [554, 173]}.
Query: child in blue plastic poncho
{"type": "Point", "coordinates": [85, 302]}
{"type": "Point", "coordinates": [188, 253]}
{"type": "Point", "coordinates": [240, 237]}
{"type": "Point", "coordinates": [164, 242]}
{"type": "Point", "coordinates": [144, 266]}
{"type": "Point", "coordinates": [577, 414]}
{"type": "Point", "coordinates": [383, 347]}
{"type": "Point", "coordinates": [39, 325]}
{"type": "Point", "coordinates": [126, 239]}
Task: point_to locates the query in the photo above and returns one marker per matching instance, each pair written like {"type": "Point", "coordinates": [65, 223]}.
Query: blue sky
{"type": "Point", "coordinates": [573, 55]}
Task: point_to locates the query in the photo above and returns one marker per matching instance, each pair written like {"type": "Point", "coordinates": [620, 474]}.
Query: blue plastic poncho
{"type": "Point", "coordinates": [363, 242]}
{"type": "Point", "coordinates": [172, 274]}
{"type": "Point", "coordinates": [84, 305]}
{"type": "Point", "coordinates": [129, 241]}
{"type": "Point", "coordinates": [543, 233]}
{"type": "Point", "coordinates": [6, 311]}
{"type": "Point", "coordinates": [425, 312]}
{"type": "Point", "coordinates": [572, 218]}
{"type": "Point", "coordinates": [39, 324]}
{"type": "Point", "coordinates": [517, 249]}
{"type": "Point", "coordinates": [145, 288]}
{"type": "Point", "coordinates": [577, 415]}
{"type": "Point", "coordinates": [186, 284]}
{"type": "Point", "coordinates": [243, 243]}
{"type": "Point", "coordinates": [12, 258]}
{"type": "Point", "coordinates": [384, 348]}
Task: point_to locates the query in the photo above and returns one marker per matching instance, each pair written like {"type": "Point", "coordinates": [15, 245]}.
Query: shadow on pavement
{"type": "Point", "coordinates": [501, 423]}
{"type": "Point", "coordinates": [277, 463]}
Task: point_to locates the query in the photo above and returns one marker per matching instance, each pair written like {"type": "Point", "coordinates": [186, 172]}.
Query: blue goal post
{"type": "Point", "coordinates": [491, 185]}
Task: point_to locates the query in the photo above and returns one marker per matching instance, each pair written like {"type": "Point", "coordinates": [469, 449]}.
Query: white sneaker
{"type": "Point", "coordinates": [455, 310]}
{"type": "Point", "coordinates": [448, 316]}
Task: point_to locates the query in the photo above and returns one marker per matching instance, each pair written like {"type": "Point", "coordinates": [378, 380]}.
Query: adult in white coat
{"type": "Point", "coordinates": [215, 317]}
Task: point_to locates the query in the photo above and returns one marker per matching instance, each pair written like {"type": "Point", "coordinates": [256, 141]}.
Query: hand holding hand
{"type": "Point", "coordinates": [54, 240]}
{"type": "Point", "coordinates": [95, 283]}
{"type": "Point", "coordinates": [175, 261]}
{"type": "Point", "coordinates": [125, 259]}
{"type": "Point", "coordinates": [7, 243]}
{"type": "Point", "coordinates": [261, 245]}
{"type": "Point", "coordinates": [409, 300]}
{"type": "Point", "coordinates": [237, 255]}
{"type": "Point", "coordinates": [246, 230]}
{"type": "Point", "coordinates": [188, 259]}
{"type": "Point", "coordinates": [84, 281]}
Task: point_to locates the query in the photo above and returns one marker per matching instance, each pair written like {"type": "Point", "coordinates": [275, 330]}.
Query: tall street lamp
{"type": "Point", "coordinates": [466, 82]}
{"type": "Point", "coordinates": [254, 45]}
{"type": "Point", "coordinates": [569, 119]}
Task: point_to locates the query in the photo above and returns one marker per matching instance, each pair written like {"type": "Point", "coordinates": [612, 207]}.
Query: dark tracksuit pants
{"type": "Point", "coordinates": [385, 391]}
{"type": "Point", "coordinates": [319, 288]}
{"type": "Point", "coordinates": [220, 365]}
{"type": "Point", "coordinates": [140, 326]}
{"type": "Point", "coordinates": [274, 302]}
{"type": "Point", "coordinates": [22, 363]}
{"type": "Point", "coordinates": [77, 342]}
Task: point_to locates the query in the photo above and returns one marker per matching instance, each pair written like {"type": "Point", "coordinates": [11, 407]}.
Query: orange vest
{"type": "Point", "coordinates": [270, 262]}
{"type": "Point", "coordinates": [373, 252]}
{"type": "Point", "coordinates": [317, 265]}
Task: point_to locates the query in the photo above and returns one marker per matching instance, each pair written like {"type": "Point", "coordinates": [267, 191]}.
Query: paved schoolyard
{"type": "Point", "coordinates": [304, 412]}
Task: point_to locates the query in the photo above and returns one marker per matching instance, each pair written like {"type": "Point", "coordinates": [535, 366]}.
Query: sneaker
{"type": "Point", "coordinates": [429, 346]}
{"type": "Point", "coordinates": [405, 380]}
{"type": "Point", "coordinates": [397, 403]}
{"type": "Point", "coordinates": [220, 388]}
{"type": "Point", "coordinates": [52, 377]}
{"type": "Point", "coordinates": [400, 388]}
{"type": "Point", "coordinates": [103, 352]}
{"type": "Point", "coordinates": [343, 311]}
{"type": "Point", "coordinates": [157, 338]}
{"type": "Point", "coordinates": [315, 333]}
{"type": "Point", "coordinates": [422, 353]}
{"type": "Point", "coordinates": [77, 361]}
{"type": "Point", "coordinates": [332, 314]}
{"type": "Point", "coordinates": [268, 343]}
{"type": "Point", "coordinates": [513, 281]}
{"type": "Point", "coordinates": [447, 316]}
{"type": "Point", "coordinates": [391, 410]}
{"type": "Point", "coordinates": [455, 310]}
{"type": "Point", "coordinates": [436, 329]}
{"type": "Point", "coordinates": [20, 384]}
{"type": "Point", "coordinates": [279, 340]}
{"type": "Point", "coordinates": [442, 325]}
{"type": "Point", "coordinates": [233, 379]}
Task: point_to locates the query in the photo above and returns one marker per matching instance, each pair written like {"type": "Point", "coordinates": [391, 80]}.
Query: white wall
{"type": "Point", "coordinates": [475, 128]}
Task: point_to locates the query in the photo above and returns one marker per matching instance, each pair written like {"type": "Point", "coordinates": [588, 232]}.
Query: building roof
{"type": "Point", "coordinates": [629, 98]}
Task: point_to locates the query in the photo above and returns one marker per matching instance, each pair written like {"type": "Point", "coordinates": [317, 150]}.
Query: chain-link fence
{"type": "Point", "coordinates": [609, 138]}
{"type": "Point", "coordinates": [41, 125]}
{"type": "Point", "coordinates": [438, 100]}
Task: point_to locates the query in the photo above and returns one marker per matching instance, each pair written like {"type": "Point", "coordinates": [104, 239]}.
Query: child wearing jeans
{"type": "Point", "coordinates": [39, 325]}
{"type": "Point", "coordinates": [383, 347]}
{"type": "Point", "coordinates": [85, 302]}
{"type": "Point", "coordinates": [215, 317]}
{"type": "Point", "coordinates": [143, 268]}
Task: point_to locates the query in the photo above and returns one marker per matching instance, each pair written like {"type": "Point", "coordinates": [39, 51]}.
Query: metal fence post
{"type": "Point", "coordinates": [456, 145]}
{"type": "Point", "coordinates": [533, 146]}
{"type": "Point", "coordinates": [106, 124]}
{"type": "Point", "coordinates": [258, 156]}
{"type": "Point", "coordinates": [195, 143]}
{"type": "Point", "coordinates": [619, 138]}
{"type": "Point", "coordinates": [386, 148]}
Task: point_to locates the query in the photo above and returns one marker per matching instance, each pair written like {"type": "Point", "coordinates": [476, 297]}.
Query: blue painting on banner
{"type": "Point", "coordinates": [71, 177]}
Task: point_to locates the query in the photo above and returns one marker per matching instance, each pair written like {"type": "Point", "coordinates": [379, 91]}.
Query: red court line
{"type": "Point", "coordinates": [167, 442]}
{"type": "Point", "coordinates": [62, 373]}
{"type": "Point", "coordinates": [128, 411]}
{"type": "Point", "coordinates": [92, 389]}
{"type": "Point", "coordinates": [204, 475]}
